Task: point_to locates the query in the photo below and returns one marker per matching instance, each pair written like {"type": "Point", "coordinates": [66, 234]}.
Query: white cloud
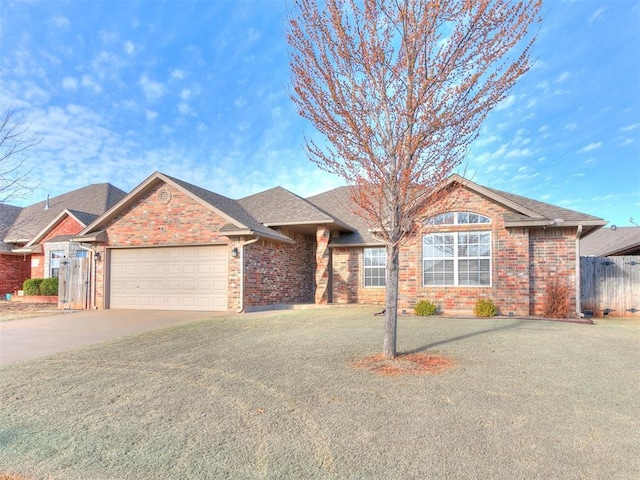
{"type": "Point", "coordinates": [129, 47]}
{"type": "Point", "coordinates": [152, 90]}
{"type": "Point", "coordinates": [185, 94]}
{"type": "Point", "coordinates": [106, 64]}
{"type": "Point", "coordinates": [240, 102]}
{"type": "Point", "coordinates": [630, 127]}
{"type": "Point", "coordinates": [151, 115]}
{"type": "Point", "coordinates": [590, 147]}
{"type": "Point", "coordinates": [571, 126]}
{"type": "Point", "coordinates": [184, 108]}
{"type": "Point", "coordinates": [563, 76]}
{"type": "Point", "coordinates": [70, 83]}
{"type": "Point", "coordinates": [89, 82]}
{"type": "Point", "coordinates": [597, 15]}
{"type": "Point", "coordinates": [484, 141]}
{"type": "Point", "coordinates": [506, 103]}
{"type": "Point", "coordinates": [177, 74]}
{"type": "Point", "coordinates": [627, 141]}
{"type": "Point", "coordinates": [253, 35]}
{"type": "Point", "coordinates": [518, 153]}
{"type": "Point", "coordinates": [59, 21]}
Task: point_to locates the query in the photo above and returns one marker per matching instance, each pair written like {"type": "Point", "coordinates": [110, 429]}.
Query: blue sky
{"type": "Point", "coordinates": [198, 90]}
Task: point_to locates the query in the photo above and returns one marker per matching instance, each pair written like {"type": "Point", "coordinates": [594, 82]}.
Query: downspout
{"type": "Point", "coordinates": [242, 245]}
{"type": "Point", "coordinates": [92, 289]}
{"type": "Point", "coordinates": [578, 279]}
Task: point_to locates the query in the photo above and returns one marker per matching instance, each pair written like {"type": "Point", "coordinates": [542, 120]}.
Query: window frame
{"type": "Point", "coordinates": [458, 218]}
{"type": "Point", "coordinates": [367, 270]}
{"type": "Point", "coordinates": [55, 262]}
{"type": "Point", "coordinates": [453, 256]}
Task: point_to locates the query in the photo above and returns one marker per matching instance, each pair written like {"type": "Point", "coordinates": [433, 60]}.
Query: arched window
{"type": "Point", "coordinates": [458, 218]}
{"type": "Point", "coordinates": [458, 258]}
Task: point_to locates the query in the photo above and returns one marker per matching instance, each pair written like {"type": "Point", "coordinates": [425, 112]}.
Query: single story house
{"type": "Point", "coordinates": [169, 244]}
{"type": "Point", "coordinates": [35, 239]}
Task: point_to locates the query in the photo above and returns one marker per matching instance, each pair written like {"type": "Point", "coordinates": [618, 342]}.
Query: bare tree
{"type": "Point", "coordinates": [399, 90]}
{"type": "Point", "coordinates": [15, 139]}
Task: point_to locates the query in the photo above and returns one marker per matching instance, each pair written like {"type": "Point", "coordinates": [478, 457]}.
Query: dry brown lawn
{"type": "Point", "coordinates": [17, 310]}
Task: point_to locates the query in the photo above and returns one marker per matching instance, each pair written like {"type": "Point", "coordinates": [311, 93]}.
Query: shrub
{"type": "Point", "coordinates": [49, 286]}
{"type": "Point", "coordinates": [557, 299]}
{"type": "Point", "coordinates": [31, 286]}
{"type": "Point", "coordinates": [425, 308]}
{"type": "Point", "coordinates": [484, 308]}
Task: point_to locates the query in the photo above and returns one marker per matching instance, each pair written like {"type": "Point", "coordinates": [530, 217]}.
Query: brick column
{"type": "Point", "coordinates": [322, 265]}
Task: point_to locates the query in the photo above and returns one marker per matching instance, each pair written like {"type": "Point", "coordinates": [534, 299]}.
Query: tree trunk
{"type": "Point", "coordinates": [391, 304]}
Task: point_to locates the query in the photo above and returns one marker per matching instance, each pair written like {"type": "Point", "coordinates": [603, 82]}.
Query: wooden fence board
{"type": "Point", "coordinates": [73, 284]}
{"type": "Point", "coordinates": [610, 286]}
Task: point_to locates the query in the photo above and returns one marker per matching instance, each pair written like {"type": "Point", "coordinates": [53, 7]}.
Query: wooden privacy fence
{"type": "Point", "coordinates": [610, 286]}
{"type": "Point", "coordinates": [73, 284]}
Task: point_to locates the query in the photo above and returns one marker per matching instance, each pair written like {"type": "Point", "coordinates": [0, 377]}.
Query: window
{"type": "Point", "coordinates": [81, 253]}
{"type": "Point", "coordinates": [458, 218]}
{"type": "Point", "coordinates": [460, 258]}
{"type": "Point", "coordinates": [375, 267]}
{"type": "Point", "coordinates": [54, 262]}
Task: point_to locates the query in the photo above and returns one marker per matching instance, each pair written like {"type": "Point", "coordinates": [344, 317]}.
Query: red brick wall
{"type": "Point", "coordinates": [183, 221]}
{"type": "Point", "coordinates": [149, 222]}
{"type": "Point", "coordinates": [278, 273]}
{"type": "Point", "coordinates": [14, 270]}
{"type": "Point", "coordinates": [68, 226]}
{"type": "Point", "coordinates": [37, 265]}
{"type": "Point", "coordinates": [553, 256]}
{"type": "Point", "coordinates": [521, 263]}
{"type": "Point", "coordinates": [348, 278]}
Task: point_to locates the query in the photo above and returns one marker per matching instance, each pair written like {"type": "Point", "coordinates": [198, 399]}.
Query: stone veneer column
{"type": "Point", "coordinates": [322, 265]}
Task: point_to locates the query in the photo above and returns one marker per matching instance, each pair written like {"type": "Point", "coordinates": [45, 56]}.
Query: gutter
{"type": "Point", "coordinates": [578, 280]}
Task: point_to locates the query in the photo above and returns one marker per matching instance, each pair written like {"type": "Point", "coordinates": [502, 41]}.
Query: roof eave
{"type": "Point", "coordinates": [311, 222]}
{"type": "Point", "coordinates": [95, 237]}
{"type": "Point", "coordinates": [27, 250]}
{"type": "Point", "coordinates": [247, 233]}
{"type": "Point", "coordinates": [546, 222]}
{"type": "Point", "coordinates": [356, 245]}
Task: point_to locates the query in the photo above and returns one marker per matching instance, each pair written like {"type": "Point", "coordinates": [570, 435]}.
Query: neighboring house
{"type": "Point", "coordinates": [611, 241]}
{"type": "Point", "coordinates": [172, 245]}
{"type": "Point", "coordinates": [35, 239]}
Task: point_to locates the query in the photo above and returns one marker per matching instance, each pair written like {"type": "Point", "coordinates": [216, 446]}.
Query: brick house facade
{"type": "Point", "coordinates": [31, 236]}
{"type": "Point", "coordinates": [170, 244]}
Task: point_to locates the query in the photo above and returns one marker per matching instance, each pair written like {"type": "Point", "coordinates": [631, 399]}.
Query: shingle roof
{"type": "Point", "coordinates": [609, 241]}
{"type": "Point", "coordinates": [338, 204]}
{"type": "Point", "coordinates": [231, 208]}
{"type": "Point", "coordinates": [278, 207]}
{"type": "Point", "coordinates": [87, 202]}
{"type": "Point", "coordinates": [8, 216]}
{"type": "Point", "coordinates": [546, 210]}
{"type": "Point", "coordinates": [521, 211]}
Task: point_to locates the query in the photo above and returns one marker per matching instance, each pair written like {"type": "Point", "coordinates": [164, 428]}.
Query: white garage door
{"type": "Point", "coordinates": [169, 278]}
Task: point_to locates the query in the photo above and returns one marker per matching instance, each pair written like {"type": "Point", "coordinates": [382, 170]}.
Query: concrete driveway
{"type": "Point", "coordinates": [29, 338]}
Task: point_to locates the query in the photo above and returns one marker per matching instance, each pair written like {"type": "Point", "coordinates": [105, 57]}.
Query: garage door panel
{"type": "Point", "coordinates": [192, 278]}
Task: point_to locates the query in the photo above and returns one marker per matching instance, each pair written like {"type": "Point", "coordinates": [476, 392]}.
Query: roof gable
{"type": "Point", "coordinates": [527, 212]}
{"type": "Point", "coordinates": [57, 221]}
{"type": "Point", "coordinates": [87, 202]}
{"type": "Point", "coordinates": [338, 204]}
{"type": "Point", "coordinates": [280, 207]}
{"type": "Point", "coordinates": [240, 221]}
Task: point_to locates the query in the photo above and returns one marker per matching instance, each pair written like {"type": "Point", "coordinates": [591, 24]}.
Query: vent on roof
{"type": "Point", "coordinates": [46, 204]}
